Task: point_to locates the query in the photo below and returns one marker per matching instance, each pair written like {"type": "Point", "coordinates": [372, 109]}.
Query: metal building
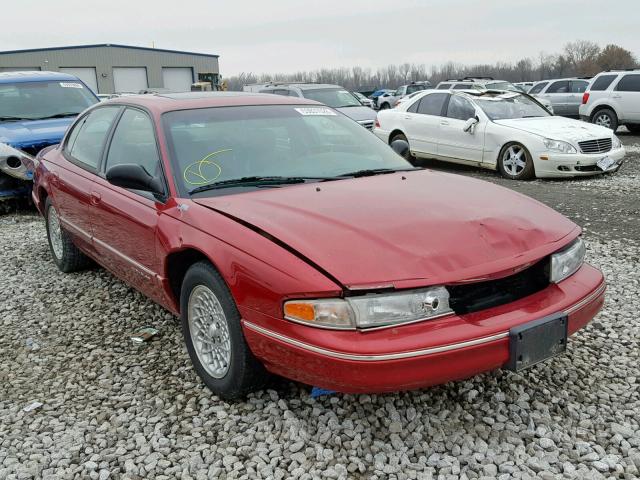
{"type": "Point", "coordinates": [110, 68]}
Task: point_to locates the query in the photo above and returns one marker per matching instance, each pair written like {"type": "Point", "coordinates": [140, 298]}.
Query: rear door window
{"type": "Point", "coordinates": [432, 104]}
{"type": "Point", "coordinates": [86, 141]}
{"type": "Point", "coordinates": [602, 82]}
{"type": "Point", "coordinates": [629, 83]}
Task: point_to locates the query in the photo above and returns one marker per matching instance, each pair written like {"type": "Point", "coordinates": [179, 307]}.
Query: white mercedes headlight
{"type": "Point", "coordinates": [559, 146]}
{"type": "Point", "coordinates": [567, 261]}
{"type": "Point", "coordinates": [616, 142]}
{"type": "Point", "coordinates": [373, 310]}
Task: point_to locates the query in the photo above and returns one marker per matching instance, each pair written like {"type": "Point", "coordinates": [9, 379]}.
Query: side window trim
{"type": "Point", "coordinates": [105, 153]}
{"type": "Point", "coordinates": [66, 153]}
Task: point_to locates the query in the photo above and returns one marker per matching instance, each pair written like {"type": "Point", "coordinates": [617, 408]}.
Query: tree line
{"type": "Point", "coordinates": [579, 58]}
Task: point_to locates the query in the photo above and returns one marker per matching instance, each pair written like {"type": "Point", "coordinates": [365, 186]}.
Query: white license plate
{"type": "Point", "coordinates": [605, 163]}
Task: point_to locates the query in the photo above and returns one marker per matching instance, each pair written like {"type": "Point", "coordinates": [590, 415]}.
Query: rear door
{"type": "Point", "coordinates": [454, 142]}
{"type": "Point", "coordinates": [422, 123]}
{"type": "Point", "coordinates": [558, 94]}
{"type": "Point", "coordinates": [577, 89]}
{"type": "Point", "coordinates": [627, 96]}
{"type": "Point", "coordinates": [124, 220]}
{"type": "Point", "coordinates": [73, 177]}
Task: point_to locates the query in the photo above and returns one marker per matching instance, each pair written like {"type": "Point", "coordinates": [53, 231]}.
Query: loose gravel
{"type": "Point", "coordinates": [78, 399]}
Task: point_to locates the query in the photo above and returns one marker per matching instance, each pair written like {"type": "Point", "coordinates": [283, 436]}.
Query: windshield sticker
{"type": "Point", "coordinates": [70, 85]}
{"type": "Point", "coordinates": [203, 171]}
{"type": "Point", "coordinates": [315, 111]}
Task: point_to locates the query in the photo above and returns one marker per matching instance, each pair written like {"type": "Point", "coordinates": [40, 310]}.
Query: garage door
{"type": "Point", "coordinates": [129, 79]}
{"type": "Point", "coordinates": [18, 69]}
{"type": "Point", "coordinates": [177, 79]}
{"type": "Point", "coordinates": [86, 74]}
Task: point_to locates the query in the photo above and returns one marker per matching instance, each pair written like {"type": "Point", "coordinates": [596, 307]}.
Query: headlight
{"type": "Point", "coordinates": [374, 310]}
{"type": "Point", "coordinates": [567, 261]}
{"type": "Point", "coordinates": [559, 146]}
{"type": "Point", "coordinates": [616, 142]}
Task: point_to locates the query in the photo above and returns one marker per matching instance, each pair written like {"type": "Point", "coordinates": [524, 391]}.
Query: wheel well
{"type": "Point", "coordinates": [394, 134]}
{"type": "Point", "coordinates": [602, 107]}
{"type": "Point", "coordinates": [177, 265]}
{"type": "Point", "coordinates": [42, 196]}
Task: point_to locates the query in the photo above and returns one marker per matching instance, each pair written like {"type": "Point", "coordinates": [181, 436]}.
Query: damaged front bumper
{"type": "Point", "coordinates": [16, 172]}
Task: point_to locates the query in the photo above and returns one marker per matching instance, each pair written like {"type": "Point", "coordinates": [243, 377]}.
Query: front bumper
{"type": "Point", "coordinates": [573, 165]}
{"type": "Point", "coordinates": [417, 355]}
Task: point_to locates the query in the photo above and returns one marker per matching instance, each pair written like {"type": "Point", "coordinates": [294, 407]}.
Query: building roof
{"type": "Point", "coordinates": [35, 76]}
{"type": "Point", "coordinates": [98, 45]}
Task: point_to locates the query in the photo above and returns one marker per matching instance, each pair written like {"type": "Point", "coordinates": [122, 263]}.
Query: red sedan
{"type": "Point", "coordinates": [290, 240]}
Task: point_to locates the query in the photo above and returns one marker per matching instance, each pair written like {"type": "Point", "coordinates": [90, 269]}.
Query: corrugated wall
{"type": "Point", "coordinates": [103, 59]}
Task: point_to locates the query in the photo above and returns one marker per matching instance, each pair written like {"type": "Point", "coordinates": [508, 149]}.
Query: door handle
{"type": "Point", "coordinates": [616, 96]}
{"type": "Point", "coordinates": [407, 117]}
{"type": "Point", "coordinates": [95, 198]}
{"type": "Point", "coordinates": [444, 122]}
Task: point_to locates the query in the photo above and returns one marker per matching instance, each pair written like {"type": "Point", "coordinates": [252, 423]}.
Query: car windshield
{"type": "Point", "coordinates": [38, 100]}
{"type": "Point", "coordinates": [333, 97]}
{"type": "Point", "coordinates": [224, 144]}
{"type": "Point", "coordinates": [509, 105]}
{"type": "Point", "coordinates": [508, 86]}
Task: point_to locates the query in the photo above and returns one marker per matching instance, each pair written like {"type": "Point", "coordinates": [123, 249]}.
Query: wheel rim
{"type": "Point", "coordinates": [514, 160]}
{"type": "Point", "coordinates": [603, 120]}
{"type": "Point", "coordinates": [55, 233]}
{"type": "Point", "coordinates": [209, 331]}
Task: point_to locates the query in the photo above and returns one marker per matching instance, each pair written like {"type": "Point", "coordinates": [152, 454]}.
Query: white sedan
{"type": "Point", "coordinates": [507, 131]}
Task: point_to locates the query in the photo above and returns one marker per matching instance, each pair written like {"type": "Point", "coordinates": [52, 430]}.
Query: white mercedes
{"type": "Point", "coordinates": [507, 131]}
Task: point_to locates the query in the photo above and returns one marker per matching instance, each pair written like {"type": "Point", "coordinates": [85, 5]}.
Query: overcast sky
{"type": "Point", "coordinates": [291, 35]}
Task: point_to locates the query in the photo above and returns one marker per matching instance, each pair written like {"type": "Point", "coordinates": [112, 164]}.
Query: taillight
{"type": "Point", "coordinates": [585, 98]}
{"type": "Point", "coordinates": [377, 123]}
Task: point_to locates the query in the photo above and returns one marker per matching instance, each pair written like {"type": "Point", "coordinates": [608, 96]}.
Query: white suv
{"type": "Point", "coordinates": [613, 99]}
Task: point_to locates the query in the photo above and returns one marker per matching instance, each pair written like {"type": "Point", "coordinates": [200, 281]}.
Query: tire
{"type": "Point", "coordinates": [65, 254]}
{"type": "Point", "coordinates": [633, 128]}
{"type": "Point", "coordinates": [385, 106]}
{"type": "Point", "coordinates": [400, 136]}
{"type": "Point", "coordinates": [606, 118]}
{"type": "Point", "coordinates": [511, 164]}
{"type": "Point", "coordinates": [228, 368]}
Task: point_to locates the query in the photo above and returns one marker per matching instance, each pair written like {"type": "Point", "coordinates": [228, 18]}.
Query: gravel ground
{"type": "Point", "coordinates": [109, 408]}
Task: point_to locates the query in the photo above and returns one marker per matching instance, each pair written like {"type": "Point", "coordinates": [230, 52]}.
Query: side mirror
{"type": "Point", "coordinates": [469, 124]}
{"type": "Point", "coordinates": [401, 147]}
{"type": "Point", "coordinates": [135, 177]}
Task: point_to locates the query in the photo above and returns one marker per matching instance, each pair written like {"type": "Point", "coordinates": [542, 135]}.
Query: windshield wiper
{"type": "Point", "coordinates": [376, 171]}
{"type": "Point", "coordinates": [57, 115]}
{"type": "Point", "coordinates": [8, 118]}
{"type": "Point", "coordinates": [254, 182]}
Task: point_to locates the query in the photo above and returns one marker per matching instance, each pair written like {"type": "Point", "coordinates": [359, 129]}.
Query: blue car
{"type": "Point", "coordinates": [35, 110]}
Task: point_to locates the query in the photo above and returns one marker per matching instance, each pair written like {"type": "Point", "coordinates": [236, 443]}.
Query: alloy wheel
{"type": "Point", "coordinates": [514, 160]}
{"type": "Point", "coordinates": [603, 120]}
{"type": "Point", "coordinates": [55, 233]}
{"type": "Point", "coordinates": [209, 331]}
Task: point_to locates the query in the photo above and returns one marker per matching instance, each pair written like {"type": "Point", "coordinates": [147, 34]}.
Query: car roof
{"type": "Point", "coordinates": [301, 86]}
{"type": "Point", "coordinates": [35, 76]}
{"type": "Point", "coordinates": [166, 102]}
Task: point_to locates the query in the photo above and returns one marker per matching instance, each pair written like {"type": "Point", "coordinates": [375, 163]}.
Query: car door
{"type": "Point", "coordinates": [125, 220]}
{"type": "Point", "coordinates": [73, 177]}
{"type": "Point", "coordinates": [454, 142]}
{"type": "Point", "coordinates": [558, 94]}
{"type": "Point", "coordinates": [422, 123]}
{"type": "Point", "coordinates": [574, 100]}
{"type": "Point", "coordinates": [627, 96]}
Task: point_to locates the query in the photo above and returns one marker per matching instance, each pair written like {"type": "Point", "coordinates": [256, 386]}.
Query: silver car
{"type": "Point", "coordinates": [564, 94]}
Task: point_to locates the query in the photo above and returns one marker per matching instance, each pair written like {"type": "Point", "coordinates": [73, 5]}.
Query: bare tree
{"type": "Point", "coordinates": [582, 55]}
{"type": "Point", "coordinates": [614, 57]}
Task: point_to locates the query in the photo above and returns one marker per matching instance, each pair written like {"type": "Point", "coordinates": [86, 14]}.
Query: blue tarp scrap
{"type": "Point", "coordinates": [319, 392]}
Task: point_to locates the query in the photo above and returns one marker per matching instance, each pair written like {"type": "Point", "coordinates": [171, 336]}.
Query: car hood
{"type": "Point", "coordinates": [34, 133]}
{"type": "Point", "coordinates": [405, 229]}
{"type": "Point", "coordinates": [359, 114]}
{"type": "Point", "coordinates": [558, 128]}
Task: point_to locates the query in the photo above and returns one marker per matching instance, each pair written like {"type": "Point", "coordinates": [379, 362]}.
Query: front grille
{"type": "Point", "coordinates": [600, 145]}
{"type": "Point", "coordinates": [472, 297]}
{"type": "Point", "coordinates": [368, 124]}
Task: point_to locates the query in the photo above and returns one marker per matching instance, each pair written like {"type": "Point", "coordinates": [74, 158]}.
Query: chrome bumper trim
{"type": "Point", "coordinates": [373, 358]}
{"type": "Point", "coordinates": [588, 299]}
